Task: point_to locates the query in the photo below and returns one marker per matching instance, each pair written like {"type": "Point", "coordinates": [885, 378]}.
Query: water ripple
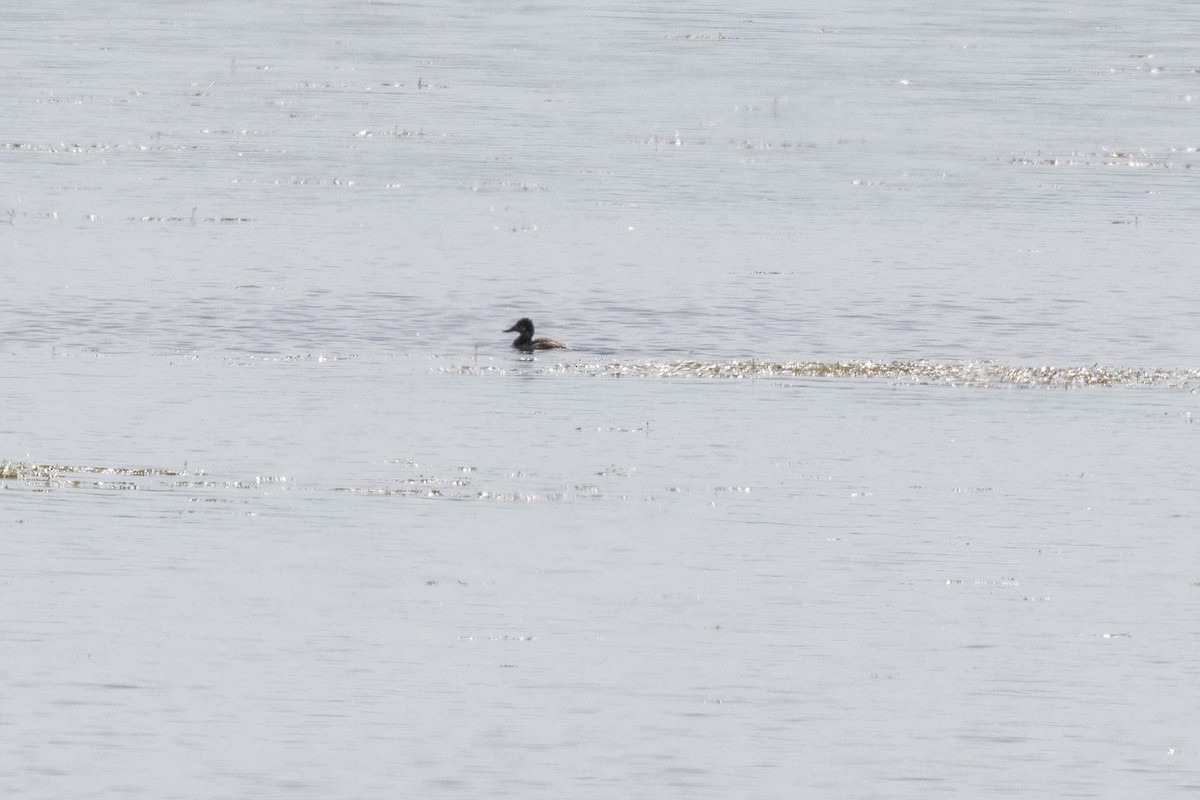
{"type": "Point", "coordinates": [965, 374]}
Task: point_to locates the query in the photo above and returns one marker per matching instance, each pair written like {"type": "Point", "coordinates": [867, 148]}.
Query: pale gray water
{"type": "Point", "coordinates": [284, 516]}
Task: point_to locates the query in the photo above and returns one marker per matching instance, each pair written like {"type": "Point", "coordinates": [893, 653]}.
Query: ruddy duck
{"type": "Point", "coordinates": [525, 341]}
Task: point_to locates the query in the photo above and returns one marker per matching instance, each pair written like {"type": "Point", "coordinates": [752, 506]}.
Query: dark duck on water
{"type": "Point", "coordinates": [525, 341]}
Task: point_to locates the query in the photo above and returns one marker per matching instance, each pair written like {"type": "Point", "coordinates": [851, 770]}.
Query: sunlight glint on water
{"type": "Point", "coordinates": [870, 471]}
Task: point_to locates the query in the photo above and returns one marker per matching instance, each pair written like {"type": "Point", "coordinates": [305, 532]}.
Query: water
{"type": "Point", "coordinates": [870, 473]}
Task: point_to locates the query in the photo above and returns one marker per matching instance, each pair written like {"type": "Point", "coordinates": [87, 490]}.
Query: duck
{"type": "Point", "coordinates": [525, 341]}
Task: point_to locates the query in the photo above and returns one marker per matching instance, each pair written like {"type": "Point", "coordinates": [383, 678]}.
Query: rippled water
{"type": "Point", "coordinates": [760, 182]}
{"type": "Point", "coordinates": [870, 471]}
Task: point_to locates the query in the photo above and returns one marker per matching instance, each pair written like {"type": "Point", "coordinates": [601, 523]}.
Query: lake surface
{"type": "Point", "coordinates": [871, 470]}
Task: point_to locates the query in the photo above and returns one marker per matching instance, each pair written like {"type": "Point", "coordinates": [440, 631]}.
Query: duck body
{"type": "Point", "coordinates": [525, 341]}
